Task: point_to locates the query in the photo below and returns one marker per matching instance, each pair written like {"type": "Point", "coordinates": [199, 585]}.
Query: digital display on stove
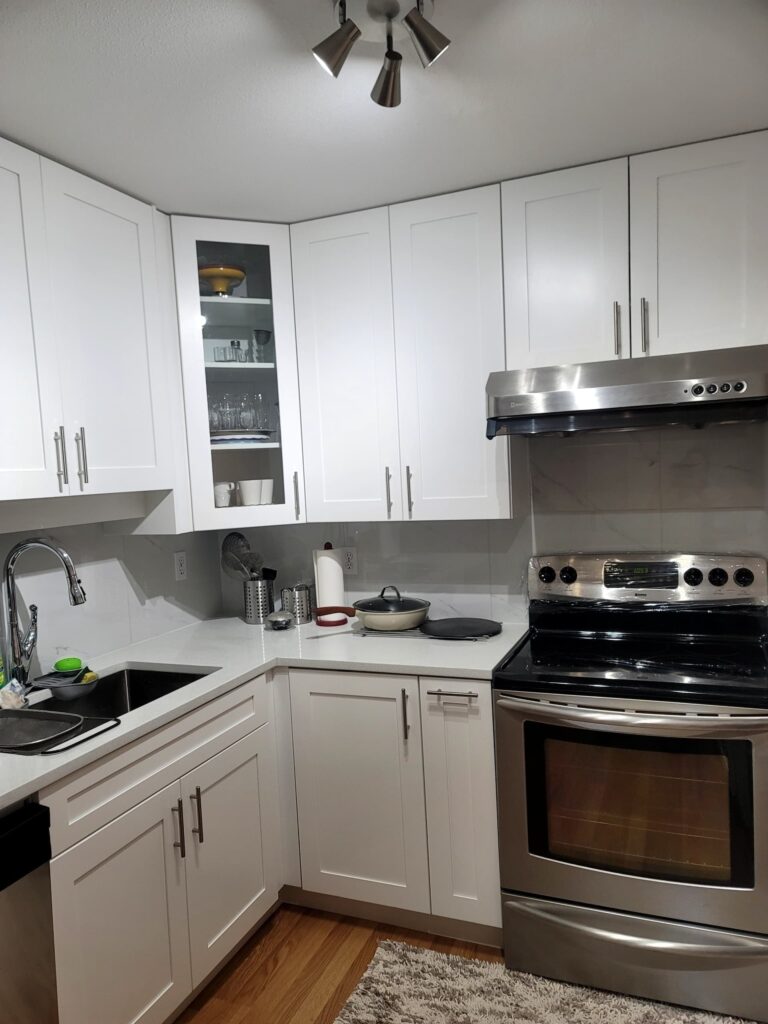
{"type": "Point", "coordinates": [644, 575]}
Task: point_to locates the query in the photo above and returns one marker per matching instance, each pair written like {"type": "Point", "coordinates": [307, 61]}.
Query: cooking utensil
{"type": "Point", "coordinates": [460, 629]}
{"type": "Point", "coordinates": [233, 566]}
{"type": "Point", "coordinates": [382, 612]}
{"type": "Point", "coordinates": [28, 729]}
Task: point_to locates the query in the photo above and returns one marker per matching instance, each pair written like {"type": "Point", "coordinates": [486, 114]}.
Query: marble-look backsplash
{"type": "Point", "coordinates": [463, 568]}
{"type": "Point", "coordinates": [129, 581]}
{"type": "Point", "coordinates": [675, 489]}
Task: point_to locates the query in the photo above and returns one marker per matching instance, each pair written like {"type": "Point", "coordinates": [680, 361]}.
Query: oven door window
{"type": "Point", "coordinates": [672, 809]}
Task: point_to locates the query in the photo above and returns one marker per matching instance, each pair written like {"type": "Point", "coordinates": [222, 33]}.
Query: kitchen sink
{"type": "Point", "coordinates": [120, 692]}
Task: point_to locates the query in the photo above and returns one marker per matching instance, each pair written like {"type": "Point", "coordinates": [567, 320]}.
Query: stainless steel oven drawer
{"type": "Point", "coordinates": [711, 969]}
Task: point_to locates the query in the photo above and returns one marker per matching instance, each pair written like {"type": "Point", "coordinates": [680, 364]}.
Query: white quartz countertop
{"type": "Point", "coordinates": [236, 652]}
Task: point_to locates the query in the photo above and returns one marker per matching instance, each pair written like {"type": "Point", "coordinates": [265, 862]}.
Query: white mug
{"type": "Point", "coordinates": [250, 491]}
{"type": "Point", "coordinates": [267, 490]}
{"type": "Point", "coordinates": [222, 494]}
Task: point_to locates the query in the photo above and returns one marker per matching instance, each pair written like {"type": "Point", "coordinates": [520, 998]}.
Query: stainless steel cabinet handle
{"type": "Point", "coordinates": [617, 328]}
{"type": "Point", "coordinates": [197, 798]}
{"type": "Point", "coordinates": [635, 722]}
{"type": "Point", "coordinates": [451, 693]}
{"type": "Point", "coordinates": [82, 457]}
{"type": "Point", "coordinates": [387, 479]}
{"type": "Point", "coordinates": [62, 472]}
{"type": "Point", "coordinates": [408, 477]}
{"type": "Point", "coordinates": [644, 326]}
{"type": "Point", "coordinates": [404, 699]}
{"type": "Point", "coordinates": [182, 843]}
{"type": "Point", "coordinates": [296, 505]}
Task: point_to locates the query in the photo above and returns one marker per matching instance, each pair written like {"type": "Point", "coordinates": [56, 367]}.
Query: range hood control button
{"type": "Point", "coordinates": [718, 577]}
{"type": "Point", "coordinates": [725, 388]}
{"type": "Point", "coordinates": [711, 389]}
{"type": "Point", "coordinates": [697, 389]}
{"type": "Point", "coordinates": [547, 574]}
{"type": "Point", "coordinates": [744, 577]}
{"type": "Point", "coordinates": [693, 577]}
{"type": "Point", "coordinates": [739, 386]}
{"type": "Point", "coordinates": [568, 574]}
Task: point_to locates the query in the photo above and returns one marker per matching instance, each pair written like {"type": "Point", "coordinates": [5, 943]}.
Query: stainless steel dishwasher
{"type": "Point", "coordinates": [28, 977]}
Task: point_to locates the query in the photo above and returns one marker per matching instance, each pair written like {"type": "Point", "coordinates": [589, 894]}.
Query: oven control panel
{"type": "Point", "coordinates": [648, 578]}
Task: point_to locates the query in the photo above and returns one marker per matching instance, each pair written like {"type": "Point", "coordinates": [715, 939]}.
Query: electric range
{"type": "Point", "coordinates": [632, 766]}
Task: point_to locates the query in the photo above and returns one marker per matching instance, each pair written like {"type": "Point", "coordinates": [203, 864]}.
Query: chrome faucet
{"type": "Point", "coordinates": [22, 646]}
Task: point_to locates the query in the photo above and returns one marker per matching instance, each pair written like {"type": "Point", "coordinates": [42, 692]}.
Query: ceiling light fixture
{"type": "Point", "coordinates": [333, 51]}
{"type": "Point", "coordinates": [429, 42]}
{"type": "Point", "coordinates": [386, 89]}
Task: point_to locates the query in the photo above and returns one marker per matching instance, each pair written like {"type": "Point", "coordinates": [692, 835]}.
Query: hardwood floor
{"type": "Point", "coordinates": [301, 967]}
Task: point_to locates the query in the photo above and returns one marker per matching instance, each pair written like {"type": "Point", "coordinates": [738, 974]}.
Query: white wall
{"type": "Point", "coordinates": [670, 490]}
{"type": "Point", "coordinates": [130, 587]}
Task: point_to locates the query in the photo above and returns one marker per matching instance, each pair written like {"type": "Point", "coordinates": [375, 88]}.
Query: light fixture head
{"type": "Point", "coordinates": [428, 41]}
{"type": "Point", "coordinates": [386, 91]}
{"type": "Point", "coordinates": [333, 51]}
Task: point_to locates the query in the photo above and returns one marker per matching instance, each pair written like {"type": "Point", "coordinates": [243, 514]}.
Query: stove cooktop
{"type": "Point", "coordinates": [664, 639]}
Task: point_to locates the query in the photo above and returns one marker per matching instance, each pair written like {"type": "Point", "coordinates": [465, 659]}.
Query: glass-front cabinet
{"type": "Point", "coordinates": [233, 282]}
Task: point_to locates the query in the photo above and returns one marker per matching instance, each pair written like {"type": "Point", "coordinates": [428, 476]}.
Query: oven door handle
{"type": "Point", "coordinates": [653, 948]}
{"type": "Point", "coordinates": [718, 726]}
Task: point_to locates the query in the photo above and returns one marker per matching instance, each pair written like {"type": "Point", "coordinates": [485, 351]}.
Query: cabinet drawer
{"type": "Point", "coordinates": [92, 797]}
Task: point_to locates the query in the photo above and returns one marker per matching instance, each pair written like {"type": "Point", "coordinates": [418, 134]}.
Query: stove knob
{"type": "Point", "coordinates": [697, 389]}
{"type": "Point", "coordinates": [744, 577]}
{"type": "Point", "coordinates": [718, 577]}
{"type": "Point", "coordinates": [693, 577]}
{"type": "Point", "coordinates": [568, 574]}
{"type": "Point", "coordinates": [711, 389]}
{"type": "Point", "coordinates": [547, 574]}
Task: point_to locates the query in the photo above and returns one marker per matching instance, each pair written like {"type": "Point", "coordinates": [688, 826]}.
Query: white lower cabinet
{"type": "Point", "coordinates": [231, 857]}
{"type": "Point", "coordinates": [149, 905]}
{"type": "Point", "coordinates": [460, 784]}
{"type": "Point", "coordinates": [360, 787]}
{"type": "Point", "coordinates": [120, 919]}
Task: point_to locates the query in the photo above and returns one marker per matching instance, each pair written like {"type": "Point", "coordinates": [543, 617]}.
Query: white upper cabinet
{"type": "Point", "coordinates": [106, 324]}
{"type": "Point", "coordinates": [32, 415]}
{"type": "Point", "coordinates": [566, 276]}
{"type": "Point", "coordinates": [238, 350]}
{"type": "Point", "coordinates": [699, 231]}
{"type": "Point", "coordinates": [346, 348]}
{"type": "Point", "coordinates": [449, 335]}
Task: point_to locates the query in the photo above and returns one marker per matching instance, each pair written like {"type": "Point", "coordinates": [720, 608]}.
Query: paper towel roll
{"type": "Point", "coordinates": [329, 581]}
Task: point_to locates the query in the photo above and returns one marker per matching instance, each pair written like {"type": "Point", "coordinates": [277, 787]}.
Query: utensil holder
{"type": "Point", "coordinates": [298, 601]}
{"type": "Point", "coordinates": [258, 601]}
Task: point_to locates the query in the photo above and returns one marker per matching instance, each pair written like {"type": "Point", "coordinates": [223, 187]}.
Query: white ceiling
{"type": "Point", "coordinates": [216, 107]}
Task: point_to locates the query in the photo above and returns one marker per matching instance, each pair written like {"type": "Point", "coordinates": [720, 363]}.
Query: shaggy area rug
{"type": "Point", "coordinates": [410, 985]}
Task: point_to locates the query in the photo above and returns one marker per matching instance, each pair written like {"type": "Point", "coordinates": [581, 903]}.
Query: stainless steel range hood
{"type": "Point", "coordinates": [722, 386]}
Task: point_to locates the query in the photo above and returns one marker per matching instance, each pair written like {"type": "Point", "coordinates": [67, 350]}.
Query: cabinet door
{"type": "Point", "coordinates": [231, 803]}
{"type": "Point", "coordinates": [238, 349]}
{"type": "Point", "coordinates": [31, 395]}
{"type": "Point", "coordinates": [105, 303]}
{"type": "Point", "coordinates": [449, 335]}
{"type": "Point", "coordinates": [345, 337]}
{"type": "Point", "coordinates": [699, 230]}
{"type": "Point", "coordinates": [360, 787]}
{"type": "Point", "coordinates": [460, 783]}
{"type": "Point", "coordinates": [566, 266]}
{"type": "Point", "coordinates": [120, 919]}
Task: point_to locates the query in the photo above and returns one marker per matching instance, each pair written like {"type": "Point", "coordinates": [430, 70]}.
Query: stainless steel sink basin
{"type": "Point", "coordinates": [120, 692]}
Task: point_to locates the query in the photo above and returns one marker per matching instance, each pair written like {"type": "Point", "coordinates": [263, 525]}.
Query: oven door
{"type": "Point", "coordinates": [653, 810]}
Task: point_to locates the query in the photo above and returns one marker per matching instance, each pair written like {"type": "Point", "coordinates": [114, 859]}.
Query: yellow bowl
{"type": "Point", "coordinates": [222, 279]}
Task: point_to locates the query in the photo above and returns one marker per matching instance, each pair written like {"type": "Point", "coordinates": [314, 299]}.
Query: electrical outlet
{"type": "Point", "coordinates": [180, 565]}
{"type": "Point", "coordinates": [349, 561]}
